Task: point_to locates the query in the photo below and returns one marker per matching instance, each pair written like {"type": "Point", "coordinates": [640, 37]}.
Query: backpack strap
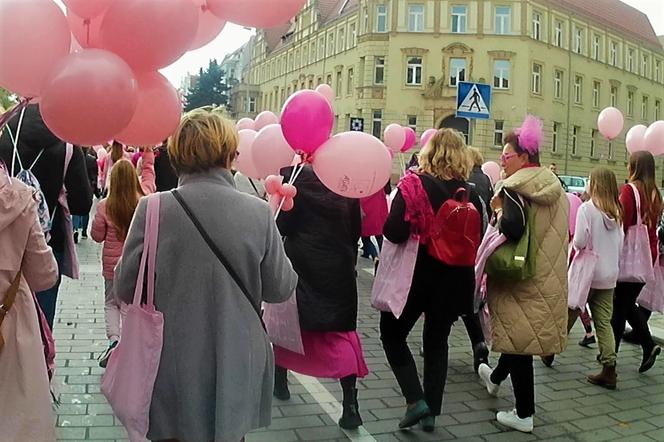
{"type": "Point", "coordinates": [69, 151]}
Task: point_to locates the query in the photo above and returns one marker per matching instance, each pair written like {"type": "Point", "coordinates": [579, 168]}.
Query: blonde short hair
{"type": "Point", "coordinates": [476, 156]}
{"type": "Point", "coordinates": [446, 156]}
{"type": "Point", "coordinates": [204, 140]}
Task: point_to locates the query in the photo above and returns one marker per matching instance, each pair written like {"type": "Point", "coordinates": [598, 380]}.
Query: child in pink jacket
{"type": "Point", "coordinates": [110, 226]}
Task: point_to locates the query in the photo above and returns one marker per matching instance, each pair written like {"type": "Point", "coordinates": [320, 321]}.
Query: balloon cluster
{"type": "Point", "coordinates": [610, 123]}
{"type": "Point", "coordinates": [351, 164]}
{"type": "Point", "coordinates": [281, 195]}
{"type": "Point", "coordinates": [399, 139]}
{"type": "Point", "coordinates": [103, 84]}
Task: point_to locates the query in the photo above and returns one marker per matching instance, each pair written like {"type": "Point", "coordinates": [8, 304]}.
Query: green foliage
{"type": "Point", "coordinates": [7, 99]}
{"type": "Point", "coordinates": [210, 90]}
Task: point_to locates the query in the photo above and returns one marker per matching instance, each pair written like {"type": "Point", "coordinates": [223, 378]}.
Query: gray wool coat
{"type": "Point", "coordinates": [215, 377]}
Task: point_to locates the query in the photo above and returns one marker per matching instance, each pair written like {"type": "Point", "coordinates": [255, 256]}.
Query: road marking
{"type": "Point", "coordinates": [331, 406]}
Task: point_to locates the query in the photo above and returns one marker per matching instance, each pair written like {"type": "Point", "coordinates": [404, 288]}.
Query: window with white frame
{"type": "Point", "coordinates": [503, 16]}
{"type": "Point", "coordinates": [251, 105]}
{"type": "Point", "coordinates": [537, 26]}
{"type": "Point", "coordinates": [613, 57]}
{"type": "Point", "coordinates": [457, 70]}
{"type": "Point", "coordinates": [312, 49]}
{"type": "Point", "coordinates": [416, 18]}
{"type": "Point", "coordinates": [554, 141]}
{"type": "Point", "coordinates": [611, 150]}
{"type": "Point", "coordinates": [644, 108]}
{"type": "Point", "coordinates": [593, 137]}
{"type": "Point", "coordinates": [365, 20]}
{"type": "Point", "coordinates": [339, 81]}
{"type": "Point", "coordinates": [459, 19]}
{"type": "Point", "coordinates": [498, 133]}
{"type": "Point", "coordinates": [578, 40]}
{"type": "Point", "coordinates": [630, 60]}
{"type": "Point", "coordinates": [501, 74]}
{"type": "Point", "coordinates": [381, 18]}
{"type": "Point", "coordinates": [558, 33]}
{"type": "Point", "coordinates": [558, 83]}
{"type": "Point", "coordinates": [644, 65]}
{"type": "Point", "coordinates": [377, 123]}
{"type": "Point", "coordinates": [658, 71]}
{"type": "Point", "coordinates": [578, 89]}
{"type": "Point", "coordinates": [614, 96]}
{"type": "Point", "coordinates": [330, 44]}
{"type": "Point", "coordinates": [412, 122]}
{"type": "Point", "coordinates": [414, 71]}
{"type": "Point", "coordinates": [379, 70]}
{"type": "Point", "coordinates": [536, 79]}
{"type": "Point", "coordinates": [341, 41]}
{"type": "Point", "coordinates": [353, 36]}
{"type": "Point", "coordinates": [575, 137]}
{"type": "Point", "coordinates": [596, 47]}
{"type": "Point", "coordinates": [328, 79]}
{"type": "Point", "coordinates": [658, 106]}
{"type": "Point", "coordinates": [596, 93]}
{"type": "Point", "coordinates": [349, 82]}
{"type": "Point", "coordinates": [630, 103]}
{"type": "Point", "coordinates": [321, 48]}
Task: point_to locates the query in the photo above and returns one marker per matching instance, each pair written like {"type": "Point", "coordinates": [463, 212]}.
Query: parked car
{"type": "Point", "coordinates": [575, 184]}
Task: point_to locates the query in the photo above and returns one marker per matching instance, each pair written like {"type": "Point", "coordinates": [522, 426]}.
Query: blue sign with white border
{"type": "Point", "coordinates": [473, 100]}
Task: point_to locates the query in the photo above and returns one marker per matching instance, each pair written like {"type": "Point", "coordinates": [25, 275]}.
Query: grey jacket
{"type": "Point", "coordinates": [215, 377]}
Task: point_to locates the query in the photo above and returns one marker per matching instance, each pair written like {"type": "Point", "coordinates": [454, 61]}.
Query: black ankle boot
{"type": "Point", "coordinates": [350, 419]}
{"type": "Point", "coordinates": [281, 384]}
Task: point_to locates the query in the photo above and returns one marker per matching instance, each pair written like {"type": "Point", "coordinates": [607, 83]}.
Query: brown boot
{"type": "Point", "coordinates": [607, 378]}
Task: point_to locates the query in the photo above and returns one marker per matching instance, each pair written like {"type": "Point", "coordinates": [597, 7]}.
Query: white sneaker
{"type": "Point", "coordinates": [485, 374]}
{"type": "Point", "coordinates": [512, 420]}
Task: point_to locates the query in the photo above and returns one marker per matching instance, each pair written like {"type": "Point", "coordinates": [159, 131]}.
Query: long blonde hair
{"type": "Point", "coordinates": [642, 174]}
{"type": "Point", "coordinates": [446, 156]}
{"type": "Point", "coordinates": [604, 192]}
{"type": "Point", "coordinates": [125, 191]}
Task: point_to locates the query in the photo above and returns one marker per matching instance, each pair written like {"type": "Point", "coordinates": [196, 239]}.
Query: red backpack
{"type": "Point", "coordinates": [455, 235]}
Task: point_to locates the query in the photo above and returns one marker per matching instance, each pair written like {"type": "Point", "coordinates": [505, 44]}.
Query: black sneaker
{"type": "Point", "coordinates": [84, 235]}
{"type": "Point", "coordinates": [103, 358]}
{"type": "Point", "coordinates": [587, 340]}
{"type": "Point", "coordinates": [649, 359]}
{"type": "Point", "coordinates": [76, 237]}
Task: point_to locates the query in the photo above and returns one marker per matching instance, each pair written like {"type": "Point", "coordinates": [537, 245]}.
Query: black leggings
{"type": "Point", "coordinates": [520, 368]}
{"type": "Point", "coordinates": [473, 328]}
{"type": "Point", "coordinates": [625, 309]}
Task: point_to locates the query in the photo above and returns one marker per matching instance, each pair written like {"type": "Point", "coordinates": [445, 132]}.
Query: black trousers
{"type": "Point", "coordinates": [625, 309]}
{"type": "Point", "coordinates": [473, 328]}
{"type": "Point", "coordinates": [520, 368]}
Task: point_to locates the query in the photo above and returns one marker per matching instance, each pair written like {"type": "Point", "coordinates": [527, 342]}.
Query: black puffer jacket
{"type": "Point", "coordinates": [321, 234]}
{"type": "Point", "coordinates": [34, 137]}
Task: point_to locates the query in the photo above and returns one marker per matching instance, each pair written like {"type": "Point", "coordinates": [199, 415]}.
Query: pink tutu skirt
{"type": "Point", "coordinates": [333, 355]}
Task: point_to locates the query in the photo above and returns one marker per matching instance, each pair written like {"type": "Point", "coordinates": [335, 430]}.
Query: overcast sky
{"type": "Point", "coordinates": [233, 36]}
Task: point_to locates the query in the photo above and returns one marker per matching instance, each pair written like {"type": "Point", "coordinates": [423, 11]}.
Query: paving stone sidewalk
{"type": "Point", "coordinates": [568, 408]}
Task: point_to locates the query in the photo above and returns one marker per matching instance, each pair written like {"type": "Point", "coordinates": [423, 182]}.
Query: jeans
{"type": "Point", "coordinates": [48, 298]}
{"type": "Point", "coordinates": [368, 247]}
{"type": "Point", "coordinates": [601, 306]}
{"type": "Point", "coordinates": [81, 222]}
{"type": "Point", "coordinates": [625, 309]}
{"type": "Point", "coordinates": [520, 368]}
{"type": "Point", "coordinates": [437, 325]}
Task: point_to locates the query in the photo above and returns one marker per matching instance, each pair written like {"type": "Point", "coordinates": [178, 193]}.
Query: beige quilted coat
{"type": "Point", "coordinates": [530, 317]}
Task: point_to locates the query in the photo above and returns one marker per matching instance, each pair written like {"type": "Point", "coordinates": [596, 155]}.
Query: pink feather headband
{"type": "Point", "coordinates": [530, 134]}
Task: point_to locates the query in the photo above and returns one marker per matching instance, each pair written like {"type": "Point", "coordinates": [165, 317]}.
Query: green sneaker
{"type": "Point", "coordinates": [415, 414]}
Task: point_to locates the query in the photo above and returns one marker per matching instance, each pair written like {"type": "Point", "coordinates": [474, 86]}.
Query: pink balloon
{"type": "Point", "coordinates": [245, 123]}
{"type": "Point", "coordinates": [149, 34]}
{"type": "Point", "coordinates": [654, 138]}
{"type": "Point", "coordinates": [289, 191]}
{"type": "Point", "coordinates": [492, 170]}
{"type": "Point", "coordinates": [256, 13]}
{"type": "Point", "coordinates": [306, 121]}
{"type": "Point", "coordinates": [245, 162]}
{"type": "Point", "coordinates": [87, 32]}
{"type": "Point", "coordinates": [270, 151]}
{"type": "Point", "coordinates": [88, 8]}
{"type": "Point", "coordinates": [157, 115]}
{"type": "Point", "coordinates": [574, 204]}
{"type": "Point", "coordinates": [265, 119]}
{"type": "Point", "coordinates": [273, 184]}
{"type": "Point", "coordinates": [635, 139]}
{"type": "Point", "coordinates": [326, 91]}
{"type": "Point", "coordinates": [90, 96]}
{"type": "Point", "coordinates": [411, 137]}
{"type": "Point", "coordinates": [209, 26]}
{"type": "Point", "coordinates": [288, 205]}
{"type": "Point", "coordinates": [394, 137]}
{"type": "Point", "coordinates": [610, 122]}
{"type": "Point", "coordinates": [353, 164]}
{"type": "Point", "coordinates": [426, 136]}
{"type": "Point", "coordinates": [35, 37]}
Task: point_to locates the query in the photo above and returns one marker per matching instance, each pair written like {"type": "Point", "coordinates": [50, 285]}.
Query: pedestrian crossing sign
{"type": "Point", "coordinates": [473, 100]}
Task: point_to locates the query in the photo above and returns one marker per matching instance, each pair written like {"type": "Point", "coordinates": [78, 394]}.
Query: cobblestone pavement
{"type": "Point", "coordinates": [568, 408]}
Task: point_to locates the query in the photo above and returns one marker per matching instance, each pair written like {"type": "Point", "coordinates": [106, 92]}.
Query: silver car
{"type": "Point", "coordinates": [575, 184]}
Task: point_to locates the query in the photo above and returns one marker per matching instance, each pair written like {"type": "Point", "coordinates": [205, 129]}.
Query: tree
{"type": "Point", "coordinates": [7, 99]}
{"type": "Point", "coordinates": [210, 90]}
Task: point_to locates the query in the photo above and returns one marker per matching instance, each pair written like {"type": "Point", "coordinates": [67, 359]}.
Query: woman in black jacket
{"type": "Point", "coordinates": [321, 234]}
{"type": "Point", "coordinates": [440, 291]}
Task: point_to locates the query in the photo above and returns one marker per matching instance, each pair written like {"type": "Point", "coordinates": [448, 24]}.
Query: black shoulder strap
{"type": "Point", "coordinates": [467, 187]}
{"type": "Point", "coordinates": [220, 256]}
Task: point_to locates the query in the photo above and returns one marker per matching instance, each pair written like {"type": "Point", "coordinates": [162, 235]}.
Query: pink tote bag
{"type": "Point", "coordinates": [132, 368]}
{"type": "Point", "coordinates": [636, 258]}
{"type": "Point", "coordinates": [395, 276]}
{"type": "Point", "coordinates": [652, 295]}
{"type": "Point", "coordinates": [580, 276]}
{"type": "Point", "coordinates": [282, 322]}
{"type": "Point", "coordinates": [70, 263]}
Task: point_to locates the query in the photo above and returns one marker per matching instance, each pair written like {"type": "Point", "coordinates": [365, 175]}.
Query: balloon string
{"type": "Point", "coordinates": [296, 173]}
{"type": "Point", "coordinates": [14, 139]}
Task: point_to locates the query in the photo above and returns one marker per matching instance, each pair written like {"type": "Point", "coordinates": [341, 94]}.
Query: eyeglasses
{"type": "Point", "coordinates": [508, 156]}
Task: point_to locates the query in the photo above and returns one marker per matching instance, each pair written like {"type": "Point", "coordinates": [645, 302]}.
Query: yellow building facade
{"type": "Point", "coordinates": [398, 61]}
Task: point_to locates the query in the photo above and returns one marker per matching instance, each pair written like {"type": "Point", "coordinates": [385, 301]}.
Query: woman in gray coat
{"type": "Point", "coordinates": [215, 377]}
